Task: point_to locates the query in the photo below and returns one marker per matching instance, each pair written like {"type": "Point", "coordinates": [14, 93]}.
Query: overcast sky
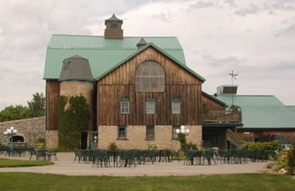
{"type": "Point", "coordinates": [255, 39]}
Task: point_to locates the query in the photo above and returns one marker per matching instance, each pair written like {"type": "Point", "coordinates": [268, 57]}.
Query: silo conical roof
{"type": "Point", "coordinates": [76, 68]}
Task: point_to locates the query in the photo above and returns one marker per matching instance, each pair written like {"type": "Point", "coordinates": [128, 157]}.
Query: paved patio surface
{"type": "Point", "coordinates": [65, 166]}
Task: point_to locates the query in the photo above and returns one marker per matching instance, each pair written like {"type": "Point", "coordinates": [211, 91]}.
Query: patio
{"type": "Point", "coordinates": [64, 165]}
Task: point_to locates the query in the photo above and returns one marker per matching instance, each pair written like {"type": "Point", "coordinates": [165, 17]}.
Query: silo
{"type": "Point", "coordinates": [76, 79]}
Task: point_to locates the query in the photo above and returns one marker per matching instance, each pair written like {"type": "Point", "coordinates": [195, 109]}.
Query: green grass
{"type": "Point", "coordinates": [22, 163]}
{"type": "Point", "coordinates": [241, 182]}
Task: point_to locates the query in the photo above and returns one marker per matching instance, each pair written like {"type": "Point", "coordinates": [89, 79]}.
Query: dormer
{"type": "Point", "coordinates": [113, 28]}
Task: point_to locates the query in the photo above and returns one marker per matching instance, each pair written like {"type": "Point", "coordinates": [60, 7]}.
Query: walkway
{"type": "Point", "coordinates": [65, 166]}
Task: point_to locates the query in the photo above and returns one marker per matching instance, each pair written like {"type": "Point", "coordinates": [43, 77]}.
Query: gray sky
{"type": "Point", "coordinates": [254, 38]}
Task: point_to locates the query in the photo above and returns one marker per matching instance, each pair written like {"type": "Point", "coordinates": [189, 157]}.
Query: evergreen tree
{"type": "Point", "coordinates": [36, 107]}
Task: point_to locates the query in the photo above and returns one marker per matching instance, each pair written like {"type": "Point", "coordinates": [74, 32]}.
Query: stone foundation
{"type": "Point", "coordinates": [52, 139]}
{"type": "Point", "coordinates": [136, 137]}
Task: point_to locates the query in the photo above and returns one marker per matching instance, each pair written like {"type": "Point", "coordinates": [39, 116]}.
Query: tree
{"type": "Point", "coordinates": [36, 107]}
{"type": "Point", "coordinates": [14, 113]}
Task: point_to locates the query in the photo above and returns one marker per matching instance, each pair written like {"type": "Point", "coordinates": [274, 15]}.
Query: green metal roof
{"type": "Point", "coordinates": [103, 54]}
{"type": "Point", "coordinates": [160, 50]}
{"type": "Point", "coordinates": [262, 111]}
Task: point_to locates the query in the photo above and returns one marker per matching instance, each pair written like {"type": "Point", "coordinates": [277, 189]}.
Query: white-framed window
{"type": "Point", "coordinates": [150, 106]}
{"type": "Point", "coordinates": [150, 132]}
{"type": "Point", "coordinates": [176, 106]}
{"type": "Point", "coordinates": [125, 106]}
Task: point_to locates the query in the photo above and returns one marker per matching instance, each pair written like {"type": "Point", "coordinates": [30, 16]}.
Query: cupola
{"type": "Point", "coordinates": [113, 28]}
{"type": "Point", "coordinates": [141, 43]}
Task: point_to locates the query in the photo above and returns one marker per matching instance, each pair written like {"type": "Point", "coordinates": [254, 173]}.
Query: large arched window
{"type": "Point", "coordinates": [150, 77]}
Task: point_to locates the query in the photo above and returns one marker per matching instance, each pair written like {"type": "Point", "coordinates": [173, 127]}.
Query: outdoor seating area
{"type": "Point", "coordinates": [224, 156]}
{"type": "Point", "coordinates": [18, 151]}
{"type": "Point", "coordinates": [121, 158]}
{"type": "Point", "coordinates": [128, 158]}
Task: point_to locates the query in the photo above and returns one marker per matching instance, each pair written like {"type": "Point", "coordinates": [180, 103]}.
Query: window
{"type": "Point", "coordinates": [124, 106]}
{"type": "Point", "coordinates": [122, 132]}
{"type": "Point", "coordinates": [149, 77]}
{"type": "Point", "coordinates": [150, 132]}
{"type": "Point", "coordinates": [174, 134]}
{"type": "Point", "coordinates": [113, 25]}
{"type": "Point", "coordinates": [176, 106]}
{"type": "Point", "coordinates": [150, 106]}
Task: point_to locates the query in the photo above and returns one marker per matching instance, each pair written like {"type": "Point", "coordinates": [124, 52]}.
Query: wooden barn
{"type": "Point", "coordinates": [264, 117]}
{"type": "Point", "coordinates": [139, 91]}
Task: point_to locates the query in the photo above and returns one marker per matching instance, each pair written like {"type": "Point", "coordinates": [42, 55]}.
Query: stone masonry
{"type": "Point", "coordinates": [136, 137]}
{"type": "Point", "coordinates": [30, 129]}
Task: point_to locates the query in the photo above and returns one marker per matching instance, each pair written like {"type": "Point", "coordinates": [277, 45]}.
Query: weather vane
{"type": "Point", "coordinates": [233, 76]}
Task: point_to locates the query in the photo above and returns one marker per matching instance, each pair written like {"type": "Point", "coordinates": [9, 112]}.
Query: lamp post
{"type": "Point", "coordinates": [10, 133]}
{"type": "Point", "coordinates": [182, 130]}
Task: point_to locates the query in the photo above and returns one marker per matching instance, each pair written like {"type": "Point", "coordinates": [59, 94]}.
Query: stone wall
{"type": "Point", "coordinates": [136, 137]}
{"type": "Point", "coordinates": [30, 129]}
{"type": "Point", "coordinates": [52, 139]}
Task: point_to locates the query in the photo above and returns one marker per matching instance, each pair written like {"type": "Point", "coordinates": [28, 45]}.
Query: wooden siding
{"type": "Point", "coordinates": [213, 105]}
{"type": "Point", "coordinates": [267, 135]}
{"type": "Point", "coordinates": [52, 96]}
{"type": "Point", "coordinates": [120, 83]}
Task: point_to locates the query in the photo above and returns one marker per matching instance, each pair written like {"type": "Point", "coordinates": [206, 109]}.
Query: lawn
{"type": "Point", "coordinates": [22, 163]}
{"type": "Point", "coordinates": [241, 182]}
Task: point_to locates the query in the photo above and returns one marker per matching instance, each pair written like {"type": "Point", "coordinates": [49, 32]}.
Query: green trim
{"type": "Point", "coordinates": [175, 101]}
{"type": "Point", "coordinates": [175, 127]}
{"type": "Point", "coordinates": [266, 128]}
{"type": "Point", "coordinates": [125, 132]}
{"type": "Point", "coordinates": [146, 132]}
{"type": "Point", "coordinates": [124, 100]}
{"type": "Point", "coordinates": [214, 99]}
{"type": "Point", "coordinates": [150, 101]}
{"type": "Point", "coordinates": [222, 124]}
{"type": "Point", "coordinates": [161, 51]}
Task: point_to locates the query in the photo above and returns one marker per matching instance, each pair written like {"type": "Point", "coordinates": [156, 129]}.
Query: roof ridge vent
{"type": "Point", "coordinates": [141, 43]}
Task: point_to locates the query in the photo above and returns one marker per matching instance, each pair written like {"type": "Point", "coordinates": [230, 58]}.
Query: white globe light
{"type": "Point", "coordinates": [182, 127]}
{"type": "Point", "coordinates": [15, 131]}
{"type": "Point", "coordinates": [187, 131]}
{"type": "Point", "coordinates": [182, 131]}
{"type": "Point", "coordinates": [5, 132]}
{"type": "Point", "coordinates": [8, 131]}
{"type": "Point", "coordinates": [177, 131]}
{"type": "Point", "coordinates": [11, 128]}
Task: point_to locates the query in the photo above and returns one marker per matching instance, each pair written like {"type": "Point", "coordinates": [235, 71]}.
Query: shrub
{"type": "Point", "coordinates": [59, 149]}
{"type": "Point", "coordinates": [192, 146]}
{"type": "Point", "coordinates": [291, 159]}
{"type": "Point", "coordinates": [113, 146]}
{"type": "Point", "coordinates": [282, 160]}
{"type": "Point", "coordinates": [152, 146]}
{"type": "Point", "coordinates": [40, 144]}
{"type": "Point", "coordinates": [267, 147]}
{"type": "Point", "coordinates": [178, 156]}
{"type": "Point", "coordinates": [184, 145]}
{"type": "Point", "coordinates": [40, 140]}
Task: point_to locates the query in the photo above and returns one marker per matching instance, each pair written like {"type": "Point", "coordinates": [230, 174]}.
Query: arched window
{"type": "Point", "coordinates": [150, 77]}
